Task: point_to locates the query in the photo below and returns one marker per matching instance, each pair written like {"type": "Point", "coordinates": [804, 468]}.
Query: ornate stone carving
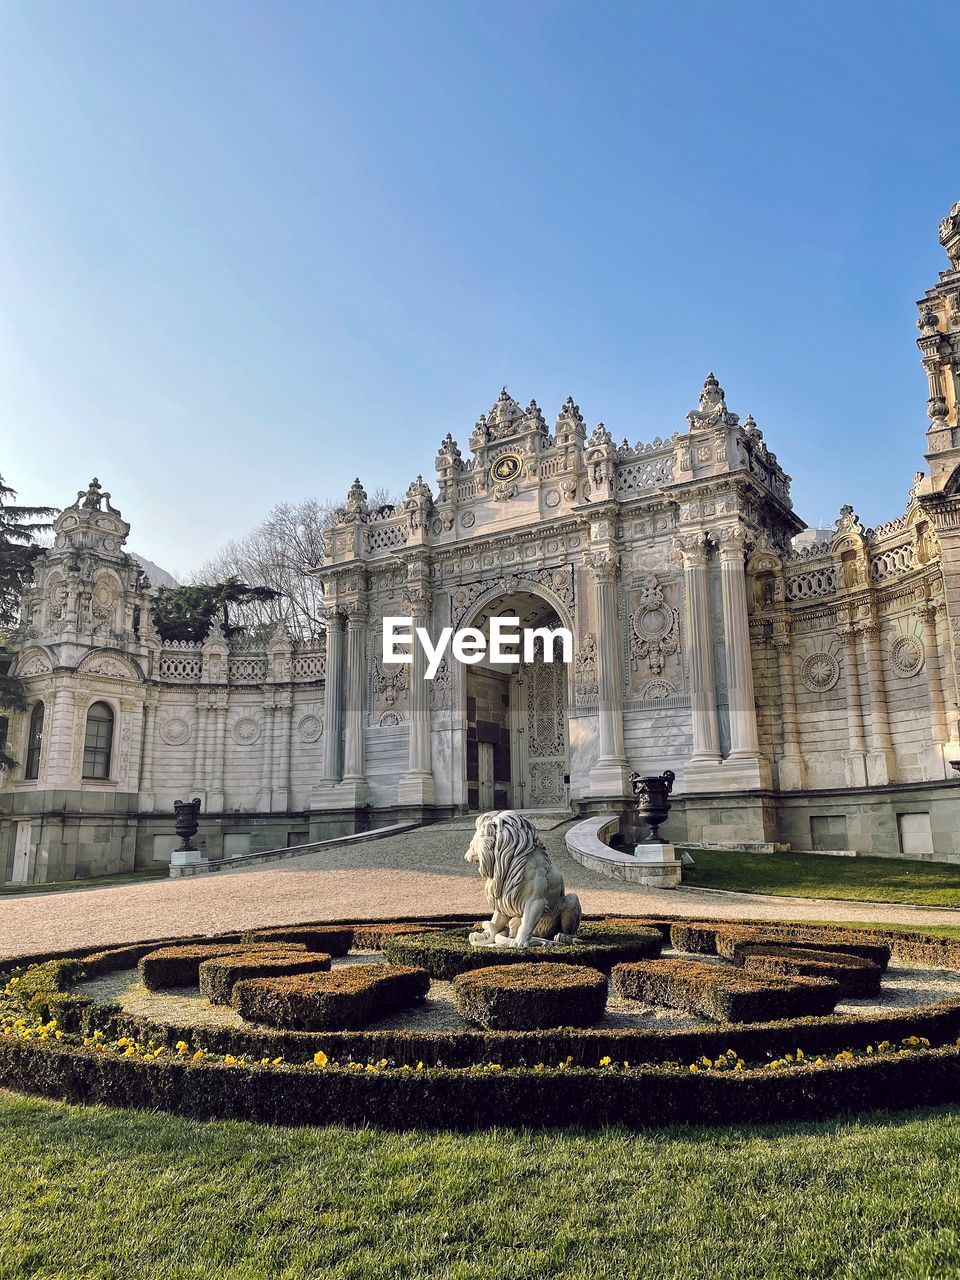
{"type": "Point", "coordinates": [389, 680]}
{"type": "Point", "coordinates": [174, 731]}
{"type": "Point", "coordinates": [820, 672]}
{"type": "Point", "coordinates": [907, 655]}
{"type": "Point", "coordinates": [246, 731]}
{"type": "Point", "coordinates": [657, 690]}
{"type": "Point", "coordinates": [654, 628]}
{"type": "Point", "coordinates": [586, 681]}
{"type": "Point", "coordinates": [310, 728]}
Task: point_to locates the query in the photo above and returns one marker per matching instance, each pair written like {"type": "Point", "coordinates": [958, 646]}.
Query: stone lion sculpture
{"type": "Point", "coordinates": [523, 888]}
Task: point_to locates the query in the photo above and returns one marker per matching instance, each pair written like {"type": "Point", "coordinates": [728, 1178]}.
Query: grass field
{"type": "Point", "coordinates": [101, 1193]}
{"type": "Point", "coordinates": [798, 875]}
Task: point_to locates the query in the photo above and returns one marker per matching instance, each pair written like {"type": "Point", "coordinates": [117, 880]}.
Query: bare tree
{"type": "Point", "coordinates": [279, 553]}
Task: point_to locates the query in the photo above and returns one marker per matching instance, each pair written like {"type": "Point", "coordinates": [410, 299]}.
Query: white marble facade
{"type": "Point", "coordinates": [807, 695]}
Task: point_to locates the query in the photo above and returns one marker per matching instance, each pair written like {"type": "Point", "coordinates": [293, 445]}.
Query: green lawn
{"type": "Point", "coordinates": [102, 1193]}
{"type": "Point", "coordinates": [798, 875]}
{"type": "Point", "coordinates": [91, 882]}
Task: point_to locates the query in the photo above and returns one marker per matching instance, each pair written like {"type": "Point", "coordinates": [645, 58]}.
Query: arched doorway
{"type": "Point", "coordinates": [517, 752]}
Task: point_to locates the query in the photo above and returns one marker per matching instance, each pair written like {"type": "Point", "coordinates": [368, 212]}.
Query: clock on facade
{"type": "Point", "coordinates": [507, 467]}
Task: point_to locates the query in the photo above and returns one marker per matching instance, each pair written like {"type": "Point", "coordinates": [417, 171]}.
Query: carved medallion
{"type": "Point", "coordinates": [310, 728]}
{"type": "Point", "coordinates": [820, 672]}
{"type": "Point", "coordinates": [468, 520]}
{"type": "Point", "coordinates": [174, 731]}
{"type": "Point", "coordinates": [654, 628]}
{"type": "Point", "coordinates": [246, 731]}
{"type": "Point", "coordinates": [907, 655]}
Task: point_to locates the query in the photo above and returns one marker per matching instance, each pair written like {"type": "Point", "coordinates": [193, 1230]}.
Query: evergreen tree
{"type": "Point", "coordinates": [188, 613]}
{"type": "Point", "coordinates": [19, 529]}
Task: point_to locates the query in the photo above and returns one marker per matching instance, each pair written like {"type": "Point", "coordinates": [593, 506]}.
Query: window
{"type": "Point", "coordinates": [34, 742]}
{"type": "Point", "coordinates": [98, 741]}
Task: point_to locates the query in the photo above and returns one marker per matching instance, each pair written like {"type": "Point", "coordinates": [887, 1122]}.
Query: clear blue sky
{"type": "Point", "coordinates": [248, 251]}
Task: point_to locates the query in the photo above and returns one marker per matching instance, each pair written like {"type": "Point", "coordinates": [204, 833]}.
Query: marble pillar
{"type": "Point", "coordinates": [610, 776]}
{"type": "Point", "coordinates": [699, 652]}
{"type": "Point", "coordinates": [417, 786]}
{"type": "Point", "coordinates": [352, 791]}
{"type": "Point", "coordinates": [855, 757]}
{"type": "Point", "coordinates": [790, 767]}
{"type": "Point", "coordinates": [744, 739]}
{"type": "Point", "coordinates": [333, 700]}
{"type": "Point", "coordinates": [881, 761]}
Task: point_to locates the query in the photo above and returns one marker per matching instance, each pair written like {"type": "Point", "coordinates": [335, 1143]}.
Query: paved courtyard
{"type": "Point", "coordinates": [419, 871]}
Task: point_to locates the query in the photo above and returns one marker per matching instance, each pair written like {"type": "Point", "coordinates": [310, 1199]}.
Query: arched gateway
{"type": "Point", "coordinates": [516, 751]}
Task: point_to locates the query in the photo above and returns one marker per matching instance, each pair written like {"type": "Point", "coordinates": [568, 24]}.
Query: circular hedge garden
{"type": "Point", "coordinates": [315, 1028]}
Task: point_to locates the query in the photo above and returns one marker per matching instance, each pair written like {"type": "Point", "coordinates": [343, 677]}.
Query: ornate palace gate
{"type": "Point", "coordinates": [541, 755]}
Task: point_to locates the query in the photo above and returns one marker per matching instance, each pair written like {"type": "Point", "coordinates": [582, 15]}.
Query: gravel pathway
{"type": "Point", "coordinates": [420, 871]}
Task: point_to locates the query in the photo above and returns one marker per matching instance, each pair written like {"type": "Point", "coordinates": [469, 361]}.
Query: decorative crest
{"type": "Point", "coordinates": [950, 235]}
{"type": "Point", "coordinates": [570, 425]}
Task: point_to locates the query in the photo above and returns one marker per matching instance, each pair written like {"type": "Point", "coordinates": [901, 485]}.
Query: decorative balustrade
{"type": "Point", "coordinates": [812, 583]}
{"type": "Point", "coordinates": [892, 563]}
{"type": "Point", "coordinates": [636, 477]}
{"type": "Point", "coordinates": [384, 537]}
{"type": "Point", "coordinates": [180, 663]}
{"type": "Point", "coordinates": [252, 670]}
{"type": "Point", "coordinates": [309, 666]}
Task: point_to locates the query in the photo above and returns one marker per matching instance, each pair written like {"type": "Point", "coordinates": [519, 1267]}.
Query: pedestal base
{"type": "Point", "coordinates": [351, 793]}
{"type": "Point", "coordinates": [736, 773]}
{"type": "Point", "coordinates": [417, 789]}
{"type": "Point", "coordinates": [188, 862]}
{"type": "Point", "coordinates": [610, 779]}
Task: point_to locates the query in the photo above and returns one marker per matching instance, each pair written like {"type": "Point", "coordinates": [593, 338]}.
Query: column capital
{"type": "Point", "coordinates": [692, 548]}
{"type": "Point", "coordinates": [604, 563]}
{"type": "Point", "coordinates": [417, 600]}
{"type": "Point", "coordinates": [733, 543]}
{"type": "Point", "coordinates": [356, 612]}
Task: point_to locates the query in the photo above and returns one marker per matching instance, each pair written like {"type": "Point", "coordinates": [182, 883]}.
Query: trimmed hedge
{"type": "Point", "coordinates": [528, 997]}
{"type": "Point", "coordinates": [465, 1100]}
{"type": "Point", "coordinates": [725, 995]}
{"type": "Point", "coordinates": [445, 955]}
{"type": "Point", "coordinates": [620, 928]}
{"type": "Point", "coordinates": [857, 977]}
{"type": "Point", "coordinates": [374, 937]}
{"type": "Point", "coordinates": [347, 997]}
{"type": "Point", "coordinates": [724, 938]}
{"type": "Point", "coordinates": [180, 966]}
{"type": "Point", "coordinates": [218, 975]}
{"type": "Point", "coordinates": [331, 940]}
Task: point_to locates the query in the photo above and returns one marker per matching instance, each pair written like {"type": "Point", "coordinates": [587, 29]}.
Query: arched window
{"type": "Point", "coordinates": [98, 741]}
{"type": "Point", "coordinates": [34, 742]}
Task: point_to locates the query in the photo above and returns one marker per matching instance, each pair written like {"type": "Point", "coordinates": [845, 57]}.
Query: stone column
{"type": "Point", "coordinates": [354, 785]}
{"type": "Point", "coordinates": [281, 750]}
{"type": "Point", "coordinates": [881, 762]}
{"type": "Point", "coordinates": [147, 798]}
{"type": "Point", "coordinates": [333, 700]}
{"type": "Point", "coordinates": [744, 739]}
{"type": "Point", "coordinates": [216, 761]}
{"type": "Point", "coordinates": [855, 761]}
{"type": "Point", "coordinates": [937, 691]}
{"type": "Point", "coordinates": [792, 769]}
{"type": "Point", "coordinates": [265, 794]}
{"type": "Point", "coordinates": [699, 642]}
{"type": "Point", "coordinates": [200, 747]}
{"type": "Point", "coordinates": [417, 786]}
{"type": "Point", "coordinates": [610, 776]}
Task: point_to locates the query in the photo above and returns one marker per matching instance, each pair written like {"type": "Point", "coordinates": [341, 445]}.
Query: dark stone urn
{"type": "Point", "coordinates": [652, 803]}
{"type": "Point", "coordinates": [186, 814]}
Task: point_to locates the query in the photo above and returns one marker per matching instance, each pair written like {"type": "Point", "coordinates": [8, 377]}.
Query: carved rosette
{"type": "Point", "coordinates": [907, 655]}
{"type": "Point", "coordinates": [820, 672]}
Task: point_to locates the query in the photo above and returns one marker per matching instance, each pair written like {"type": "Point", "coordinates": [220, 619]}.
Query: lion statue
{"type": "Point", "coordinates": [523, 888]}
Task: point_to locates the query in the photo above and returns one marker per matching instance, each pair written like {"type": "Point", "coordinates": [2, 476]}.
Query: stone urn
{"type": "Point", "coordinates": [186, 813]}
{"type": "Point", "coordinates": [653, 804]}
